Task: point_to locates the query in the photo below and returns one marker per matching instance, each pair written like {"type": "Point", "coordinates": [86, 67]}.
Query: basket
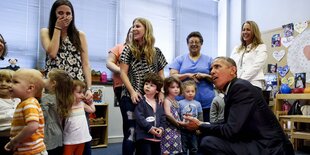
{"type": "Point", "coordinates": [97, 121]}
{"type": "Point", "coordinates": [95, 78]}
{"type": "Point", "coordinates": [95, 141]}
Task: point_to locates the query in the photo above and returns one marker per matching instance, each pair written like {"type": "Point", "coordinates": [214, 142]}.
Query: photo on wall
{"type": "Point", "coordinates": [271, 84]}
{"type": "Point", "coordinates": [272, 68]}
{"type": "Point", "coordinates": [300, 80]}
{"type": "Point", "coordinates": [276, 40]}
{"type": "Point", "coordinates": [98, 94]}
{"type": "Point", "coordinates": [288, 30]}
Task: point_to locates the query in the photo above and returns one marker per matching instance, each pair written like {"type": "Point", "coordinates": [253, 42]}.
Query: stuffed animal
{"type": "Point", "coordinates": [12, 65]}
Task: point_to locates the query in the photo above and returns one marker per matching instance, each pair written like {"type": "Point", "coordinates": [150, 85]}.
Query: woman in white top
{"type": "Point", "coordinates": [251, 55]}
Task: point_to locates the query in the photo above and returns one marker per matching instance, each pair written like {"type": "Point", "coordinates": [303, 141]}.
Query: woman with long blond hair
{"type": "Point", "coordinates": [251, 55]}
{"type": "Point", "coordinates": [137, 59]}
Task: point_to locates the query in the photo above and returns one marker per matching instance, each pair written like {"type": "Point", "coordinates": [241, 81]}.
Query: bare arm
{"type": "Point", "coordinates": [161, 74]}
{"type": "Point", "coordinates": [26, 132]}
{"type": "Point", "coordinates": [85, 65]}
{"type": "Point", "coordinates": [161, 95]}
{"type": "Point", "coordinates": [168, 113]}
{"type": "Point", "coordinates": [111, 63]}
{"type": "Point", "coordinates": [135, 96]}
{"type": "Point", "coordinates": [51, 46]}
{"type": "Point", "coordinates": [175, 73]}
{"type": "Point", "coordinates": [203, 76]}
{"type": "Point", "coordinates": [89, 107]}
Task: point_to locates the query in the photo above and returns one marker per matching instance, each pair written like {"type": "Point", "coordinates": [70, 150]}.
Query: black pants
{"type": "Point", "coordinates": [145, 147]}
{"type": "Point", "coordinates": [189, 142]}
{"type": "Point", "coordinates": [118, 93]}
{"type": "Point", "coordinates": [129, 125]}
{"type": "Point", "coordinates": [56, 151]}
{"type": "Point", "coordinates": [211, 145]}
{"type": "Point", "coordinates": [206, 114]}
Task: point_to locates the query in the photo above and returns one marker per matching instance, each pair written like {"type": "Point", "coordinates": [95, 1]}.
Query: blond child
{"type": "Point", "coordinates": [76, 131]}
{"type": "Point", "coordinates": [171, 140]}
{"type": "Point", "coordinates": [189, 106]}
{"type": "Point", "coordinates": [7, 107]}
{"type": "Point", "coordinates": [27, 130]}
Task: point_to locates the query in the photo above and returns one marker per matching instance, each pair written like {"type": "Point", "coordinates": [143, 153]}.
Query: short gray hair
{"type": "Point", "coordinates": [229, 60]}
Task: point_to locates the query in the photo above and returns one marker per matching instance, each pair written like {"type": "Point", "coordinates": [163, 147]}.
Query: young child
{"type": "Point", "coordinates": [58, 87]}
{"type": "Point", "coordinates": [27, 130]}
{"type": "Point", "coordinates": [189, 106]}
{"type": "Point", "coordinates": [171, 139]}
{"type": "Point", "coordinates": [76, 131]}
{"type": "Point", "coordinates": [150, 117]}
{"type": "Point", "coordinates": [7, 108]}
{"type": "Point", "coordinates": [217, 108]}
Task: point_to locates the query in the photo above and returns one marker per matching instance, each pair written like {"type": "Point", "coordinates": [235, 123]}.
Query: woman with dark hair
{"type": "Point", "coordinates": [3, 48]}
{"type": "Point", "coordinates": [196, 66]}
{"type": "Point", "coordinates": [65, 46]}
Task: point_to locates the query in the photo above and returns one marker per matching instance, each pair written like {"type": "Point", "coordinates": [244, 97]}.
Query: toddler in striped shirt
{"type": "Point", "coordinates": [27, 129]}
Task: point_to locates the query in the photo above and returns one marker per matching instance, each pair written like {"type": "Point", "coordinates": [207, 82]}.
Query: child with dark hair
{"type": "Point", "coordinates": [171, 140]}
{"type": "Point", "coordinates": [150, 117]}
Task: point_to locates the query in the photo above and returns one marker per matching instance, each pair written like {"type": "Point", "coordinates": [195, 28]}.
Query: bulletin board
{"type": "Point", "coordinates": [289, 48]}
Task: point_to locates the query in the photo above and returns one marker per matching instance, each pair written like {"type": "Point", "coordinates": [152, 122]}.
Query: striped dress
{"type": "Point", "coordinates": [27, 111]}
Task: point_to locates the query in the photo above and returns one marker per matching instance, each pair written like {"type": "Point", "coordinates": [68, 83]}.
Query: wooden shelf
{"type": "Point", "coordinates": [98, 104]}
{"type": "Point", "coordinates": [280, 97]}
{"type": "Point", "coordinates": [100, 125]}
{"type": "Point", "coordinates": [99, 132]}
{"type": "Point", "coordinates": [99, 146]}
{"type": "Point", "coordinates": [293, 96]}
{"type": "Point", "coordinates": [301, 135]}
{"type": "Point", "coordinates": [294, 131]}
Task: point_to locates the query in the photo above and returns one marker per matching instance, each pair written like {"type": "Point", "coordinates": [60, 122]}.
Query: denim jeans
{"type": "Point", "coordinates": [129, 125]}
{"type": "Point", "coordinates": [189, 142]}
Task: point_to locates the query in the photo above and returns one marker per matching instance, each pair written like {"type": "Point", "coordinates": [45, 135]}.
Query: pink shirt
{"type": "Point", "coordinates": [117, 50]}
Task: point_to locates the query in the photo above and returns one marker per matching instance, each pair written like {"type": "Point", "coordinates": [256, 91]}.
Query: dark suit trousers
{"type": "Point", "coordinates": [211, 145]}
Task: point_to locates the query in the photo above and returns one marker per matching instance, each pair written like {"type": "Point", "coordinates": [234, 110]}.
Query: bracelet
{"type": "Point", "coordinates": [89, 88]}
{"type": "Point", "coordinates": [58, 28]}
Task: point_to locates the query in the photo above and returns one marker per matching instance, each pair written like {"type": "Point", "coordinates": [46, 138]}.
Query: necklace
{"type": "Point", "coordinates": [173, 102]}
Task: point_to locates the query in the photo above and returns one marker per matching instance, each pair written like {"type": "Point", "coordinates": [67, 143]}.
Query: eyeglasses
{"type": "Point", "coordinates": [194, 42]}
{"type": "Point", "coordinates": [2, 39]}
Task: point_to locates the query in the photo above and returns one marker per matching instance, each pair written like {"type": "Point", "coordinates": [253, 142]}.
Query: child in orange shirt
{"type": "Point", "coordinates": [27, 130]}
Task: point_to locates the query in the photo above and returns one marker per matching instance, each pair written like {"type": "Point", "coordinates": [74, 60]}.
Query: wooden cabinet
{"type": "Point", "coordinates": [99, 126]}
{"type": "Point", "coordinates": [295, 131]}
{"type": "Point", "coordinates": [291, 123]}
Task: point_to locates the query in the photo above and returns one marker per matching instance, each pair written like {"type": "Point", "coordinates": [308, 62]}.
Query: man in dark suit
{"type": "Point", "coordinates": [249, 127]}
